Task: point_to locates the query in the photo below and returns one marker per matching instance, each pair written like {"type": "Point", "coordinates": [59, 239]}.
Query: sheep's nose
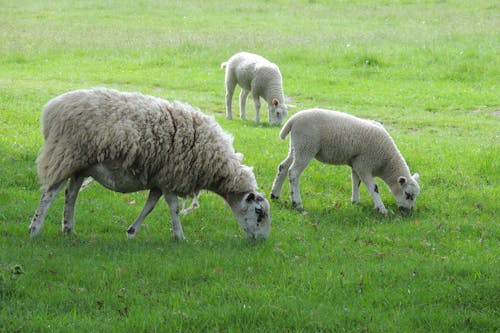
{"type": "Point", "coordinates": [405, 210]}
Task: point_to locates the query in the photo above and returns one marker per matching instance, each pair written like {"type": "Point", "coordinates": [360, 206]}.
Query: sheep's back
{"type": "Point", "coordinates": [163, 144]}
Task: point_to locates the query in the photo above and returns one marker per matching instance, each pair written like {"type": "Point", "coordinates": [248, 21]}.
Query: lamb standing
{"type": "Point", "coordinates": [338, 138]}
{"type": "Point", "coordinates": [255, 74]}
{"type": "Point", "coordinates": [131, 142]}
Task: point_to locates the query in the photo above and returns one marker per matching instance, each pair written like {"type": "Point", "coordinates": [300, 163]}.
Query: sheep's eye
{"type": "Point", "coordinates": [409, 196]}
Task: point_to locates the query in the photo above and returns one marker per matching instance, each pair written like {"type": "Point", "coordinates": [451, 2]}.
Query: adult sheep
{"type": "Point", "coordinates": [258, 75]}
{"type": "Point", "coordinates": [338, 138]}
{"type": "Point", "coordinates": [131, 142]}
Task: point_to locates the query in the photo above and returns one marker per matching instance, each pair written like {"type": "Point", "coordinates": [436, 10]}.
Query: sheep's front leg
{"type": "Point", "coordinates": [373, 190]}
{"type": "Point", "coordinates": [173, 205]}
{"type": "Point", "coordinates": [68, 220]}
{"type": "Point", "coordinates": [281, 176]}
{"type": "Point", "coordinates": [45, 202]}
{"type": "Point", "coordinates": [243, 101]}
{"type": "Point", "coordinates": [356, 182]}
{"type": "Point", "coordinates": [256, 101]}
{"type": "Point", "coordinates": [153, 197]}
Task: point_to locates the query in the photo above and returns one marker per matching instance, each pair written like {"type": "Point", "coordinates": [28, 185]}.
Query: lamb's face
{"type": "Point", "coordinates": [277, 112]}
{"type": "Point", "coordinates": [407, 192]}
{"type": "Point", "coordinates": [253, 214]}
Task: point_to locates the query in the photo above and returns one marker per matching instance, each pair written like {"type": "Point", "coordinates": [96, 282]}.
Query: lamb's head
{"type": "Point", "coordinates": [253, 213]}
{"type": "Point", "coordinates": [277, 112]}
{"type": "Point", "coordinates": [406, 191]}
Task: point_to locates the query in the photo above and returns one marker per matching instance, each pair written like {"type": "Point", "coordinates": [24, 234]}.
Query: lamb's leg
{"type": "Point", "coordinates": [230, 86]}
{"type": "Point", "coordinates": [281, 176]}
{"type": "Point", "coordinates": [256, 102]}
{"type": "Point", "coordinates": [373, 190]}
{"type": "Point", "coordinates": [296, 169]}
{"type": "Point", "coordinates": [194, 205]}
{"type": "Point", "coordinates": [243, 101]}
{"type": "Point", "coordinates": [173, 205]}
{"type": "Point", "coordinates": [153, 197]}
{"type": "Point", "coordinates": [356, 181]}
{"type": "Point", "coordinates": [45, 201]}
{"type": "Point", "coordinates": [68, 220]}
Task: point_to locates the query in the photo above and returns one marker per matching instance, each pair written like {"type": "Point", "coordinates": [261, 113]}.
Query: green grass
{"type": "Point", "coordinates": [428, 70]}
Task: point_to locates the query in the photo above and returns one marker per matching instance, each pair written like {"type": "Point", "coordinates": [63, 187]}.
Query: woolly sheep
{"type": "Point", "coordinates": [338, 138]}
{"type": "Point", "coordinates": [131, 142]}
{"type": "Point", "coordinates": [255, 74]}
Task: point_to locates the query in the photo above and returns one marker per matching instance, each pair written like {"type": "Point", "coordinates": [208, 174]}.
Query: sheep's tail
{"type": "Point", "coordinates": [286, 129]}
{"type": "Point", "coordinates": [223, 65]}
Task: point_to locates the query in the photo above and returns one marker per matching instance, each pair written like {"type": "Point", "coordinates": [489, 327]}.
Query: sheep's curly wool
{"type": "Point", "coordinates": [167, 145]}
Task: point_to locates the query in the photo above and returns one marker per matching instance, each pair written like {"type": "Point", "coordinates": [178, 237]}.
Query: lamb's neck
{"type": "Point", "coordinates": [273, 91]}
{"type": "Point", "coordinates": [395, 168]}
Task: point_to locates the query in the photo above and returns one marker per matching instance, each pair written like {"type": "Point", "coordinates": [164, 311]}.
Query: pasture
{"type": "Point", "coordinates": [428, 70]}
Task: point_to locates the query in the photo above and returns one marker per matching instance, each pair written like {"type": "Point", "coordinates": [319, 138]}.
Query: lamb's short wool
{"type": "Point", "coordinates": [262, 78]}
{"type": "Point", "coordinates": [130, 142]}
{"type": "Point", "coordinates": [338, 138]}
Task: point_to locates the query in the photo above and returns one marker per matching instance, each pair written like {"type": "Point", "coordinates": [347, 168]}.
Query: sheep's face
{"type": "Point", "coordinates": [253, 214]}
{"type": "Point", "coordinates": [407, 192]}
{"type": "Point", "coordinates": [277, 112]}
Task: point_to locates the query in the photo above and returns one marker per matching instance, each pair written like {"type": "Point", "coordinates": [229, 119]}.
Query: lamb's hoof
{"type": "Point", "coordinates": [298, 206]}
{"type": "Point", "coordinates": [131, 233]}
{"type": "Point", "coordinates": [274, 197]}
{"type": "Point", "coordinates": [382, 210]}
{"type": "Point", "coordinates": [33, 231]}
{"type": "Point", "coordinates": [179, 238]}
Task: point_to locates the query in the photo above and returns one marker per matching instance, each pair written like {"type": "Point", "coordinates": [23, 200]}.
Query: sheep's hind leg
{"type": "Point", "coordinates": [230, 86]}
{"type": "Point", "coordinates": [256, 102]}
{"type": "Point", "coordinates": [173, 205]}
{"type": "Point", "coordinates": [281, 176]}
{"type": "Point", "coordinates": [243, 102]}
{"type": "Point", "coordinates": [153, 197]}
{"type": "Point", "coordinates": [294, 173]}
{"type": "Point", "coordinates": [45, 202]}
{"type": "Point", "coordinates": [68, 220]}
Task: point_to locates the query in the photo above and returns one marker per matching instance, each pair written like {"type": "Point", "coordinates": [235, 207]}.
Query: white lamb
{"type": "Point", "coordinates": [338, 138]}
{"type": "Point", "coordinates": [255, 74]}
{"type": "Point", "coordinates": [130, 142]}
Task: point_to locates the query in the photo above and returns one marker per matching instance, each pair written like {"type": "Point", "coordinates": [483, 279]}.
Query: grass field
{"type": "Point", "coordinates": [428, 70]}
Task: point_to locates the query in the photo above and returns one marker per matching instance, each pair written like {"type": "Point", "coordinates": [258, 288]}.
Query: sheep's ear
{"type": "Point", "coordinates": [250, 197]}
{"type": "Point", "coordinates": [290, 106]}
{"type": "Point", "coordinates": [416, 176]}
{"type": "Point", "coordinates": [275, 102]}
{"type": "Point", "coordinates": [402, 180]}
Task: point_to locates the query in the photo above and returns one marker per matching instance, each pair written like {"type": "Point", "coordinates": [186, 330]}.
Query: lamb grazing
{"type": "Point", "coordinates": [131, 142]}
{"type": "Point", "coordinates": [255, 74]}
{"type": "Point", "coordinates": [338, 138]}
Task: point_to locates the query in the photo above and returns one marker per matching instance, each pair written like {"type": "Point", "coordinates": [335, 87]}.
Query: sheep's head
{"type": "Point", "coordinates": [407, 191]}
{"type": "Point", "coordinates": [253, 213]}
{"type": "Point", "coordinates": [277, 112]}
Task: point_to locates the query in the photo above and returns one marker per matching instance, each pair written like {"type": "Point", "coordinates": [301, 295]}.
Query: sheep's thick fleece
{"type": "Point", "coordinates": [171, 146]}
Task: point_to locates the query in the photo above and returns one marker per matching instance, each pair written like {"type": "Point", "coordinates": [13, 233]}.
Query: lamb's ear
{"type": "Point", "coordinates": [416, 176]}
{"type": "Point", "coordinates": [402, 180]}
{"type": "Point", "coordinates": [290, 106]}
{"type": "Point", "coordinates": [275, 102]}
{"type": "Point", "coordinates": [250, 197]}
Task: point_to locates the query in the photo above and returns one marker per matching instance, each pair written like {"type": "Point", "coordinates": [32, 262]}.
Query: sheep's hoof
{"type": "Point", "coordinates": [67, 230]}
{"type": "Point", "coordinates": [382, 210]}
{"type": "Point", "coordinates": [274, 197]}
{"type": "Point", "coordinates": [131, 233]}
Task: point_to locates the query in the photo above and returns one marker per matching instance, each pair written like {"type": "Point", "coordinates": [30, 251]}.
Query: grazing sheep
{"type": "Point", "coordinates": [255, 74]}
{"type": "Point", "coordinates": [130, 142]}
{"type": "Point", "coordinates": [338, 138]}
